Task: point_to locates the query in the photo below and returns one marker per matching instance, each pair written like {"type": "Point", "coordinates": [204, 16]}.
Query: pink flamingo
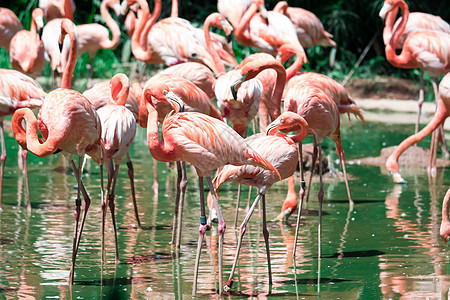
{"type": "Point", "coordinates": [68, 122]}
{"type": "Point", "coordinates": [417, 21]}
{"type": "Point", "coordinates": [17, 91]}
{"type": "Point", "coordinates": [206, 143]}
{"type": "Point", "coordinates": [233, 10]}
{"type": "Point", "coordinates": [266, 31]}
{"type": "Point", "coordinates": [9, 25]}
{"type": "Point", "coordinates": [162, 40]}
{"type": "Point", "coordinates": [445, 224]}
{"type": "Point", "coordinates": [118, 131]}
{"type": "Point", "coordinates": [309, 29]}
{"type": "Point", "coordinates": [427, 50]}
{"type": "Point", "coordinates": [322, 115]}
{"type": "Point", "coordinates": [95, 36]}
{"type": "Point", "coordinates": [195, 100]}
{"type": "Point", "coordinates": [282, 153]}
{"type": "Point", "coordinates": [441, 114]}
{"type": "Point", "coordinates": [57, 9]}
{"type": "Point", "coordinates": [26, 50]}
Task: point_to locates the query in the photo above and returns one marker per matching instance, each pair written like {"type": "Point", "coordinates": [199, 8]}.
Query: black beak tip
{"type": "Point", "coordinates": [60, 46]}
{"type": "Point", "coordinates": [135, 12]}
{"type": "Point", "coordinates": [41, 30]}
{"type": "Point", "coordinates": [233, 92]}
{"type": "Point", "coordinates": [121, 18]}
{"type": "Point", "coordinates": [229, 37]}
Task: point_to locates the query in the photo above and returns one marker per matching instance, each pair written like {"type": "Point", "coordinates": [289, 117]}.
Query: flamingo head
{"type": "Point", "coordinates": [175, 101]}
{"type": "Point", "coordinates": [387, 6]}
{"type": "Point", "coordinates": [287, 122]}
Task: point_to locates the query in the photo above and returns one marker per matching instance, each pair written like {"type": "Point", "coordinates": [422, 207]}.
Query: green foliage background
{"type": "Point", "coordinates": [352, 22]}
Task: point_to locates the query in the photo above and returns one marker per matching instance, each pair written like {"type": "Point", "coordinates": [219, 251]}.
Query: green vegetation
{"type": "Point", "coordinates": [353, 23]}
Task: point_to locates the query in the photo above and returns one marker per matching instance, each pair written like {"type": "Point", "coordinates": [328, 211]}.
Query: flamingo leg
{"type": "Point", "coordinates": [237, 205]}
{"type": "Point", "coordinates": [183, 185]}
{"type": "Point", "coordinates": [342, 158]}
{"type": "Point", "coordinates": [105, 204]}
{"type": "Point", "coordinates": [25, 175]}
{"type": "Point", "coordinates": [319, 230]}
{"type": "Point", "coordinates": [420, 101]}
{"type": "Point", "coordinates": [433, 147]}
{"type": "Point", "coordinates": [112, 209]}
{"type": "Point", "coordinates": [91, 72]}
{"type": "Point", "coordinates": [177, 200]}
{"type": "Point", "coordinates": [242, 230]}
{"type": "Point", "coordinates": [155, 176]}
{"type": "Point", "coordinates": [87, 202]}
{"type": "Point", "coordinates": [201, 233]}
{"type": "Point", "coordinates": [266, 239]}
{"type": "Point", "coordinates": [133, 191]}
{"type": "Point", "coordinates": [313, 166]}
{"type": "Point", "coordinates": [301, 194]}
{"type": "Point", "coordinates": [3, 160]}
{"type": "Point", "coordinates": [221, 229]}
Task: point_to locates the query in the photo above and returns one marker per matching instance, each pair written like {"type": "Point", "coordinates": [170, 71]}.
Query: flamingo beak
{"type": "Point", "coordinates": [236, 85]}
{"type": "Point", "coordinates": [175, 101]}
{"type": "Point", "coordinates": [272, 127]}
{"type": "Point", "coordinates": [384, 10]}
{"type": "Point", "coordinates": [398, 178]}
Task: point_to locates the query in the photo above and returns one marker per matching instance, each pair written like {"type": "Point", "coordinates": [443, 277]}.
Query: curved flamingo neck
{"type": "Point", "coordinates": [29, 139]}
{"type": "Point", "coordinates": [389, 23]}
{"type": "Point", "coordinates": [213, 20]}
{"type": "Point", "coordinates": [174, 12]}
{"type": "Point", "coordinates": [66, 80]}
{"type": "Point", "coordinates": [154, 17]}
{"type": "Point", "coordinates": [281, 7]}
{"type": "Point", "coordinates": [136, 46]}
{"type": "Point", "coordinates": [68, 13]}
{"type": "Point", "coordinates": [442, 113]}
{"type": "Point", "coordinates": [239, 32]}
{"type": "Point", "coordinates": [403, 58]}
{"type": "Point", "coordinates": [279, 88]}
{"type": "Point", "coordinates": [112, 25]}
{"type": "Point", "coordinates": [143, 112]}
{"type": "Point", "coordinates": [158, 149]}
{"type": "Point", "coordinates": [298, 63]}
{"type": "Point", "coordinates": [120, 88]}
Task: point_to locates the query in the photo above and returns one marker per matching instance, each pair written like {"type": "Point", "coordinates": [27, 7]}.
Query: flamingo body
{"type": "Point", "coordinates": [9, 25]}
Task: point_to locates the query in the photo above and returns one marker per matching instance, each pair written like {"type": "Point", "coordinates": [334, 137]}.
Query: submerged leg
{"type": "Point", "coordinates": [319, 231]}
{"type": "Point", "coordinates": [266, 239]}
{"type": "Point", "coordinates": [300, 195]}
{"type": "Point", "coordinates": [25, 175]}
{"type": "Point", "coordinates": [112, 207]}
{"type": "Point", "coordinates": [221, 229]}
{"type": "Point", "coordinates": [183, 185]}
{"type": "Point", "coordinates": [133, 192]}
{"type": "Point", "coordinates": [3, 160]}
{"type": "Point", "coordinates": [242, 230]}
{"type": "Point", "coordinates": [201, 234]}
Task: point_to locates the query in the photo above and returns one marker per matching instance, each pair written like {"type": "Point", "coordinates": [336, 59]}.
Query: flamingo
{"type": "Point", "coordinates": [309, 29]}
{"type": "Point", "coordinates": [281, 152]}
{"type": "Point", "coordinates": [9, 25]}
{"type": "Point", "coordinates": [68, 122]}
{"type": "Point", "coordinates": [445, 224]}
{"type": "Point", "coordinates": [266, 31]}
{"type": "Point", "coordinates": [233, 10]}
{"type": "Point", "coordinates": [95, 36]}
{"type": "Point", "coordinates": [118, 131]}
{"type": "Point", "coordinates": [427, 50]}
{"type": "Point", "coordinates": [322, 115]}
{"type": "Point", "coordinates": [337, 93]}
{"type": "Point", "coordinates": [417, 21]}
{"type": "Point", "coordinates": [99, 95]}
{"type": "Point", "coordinates": [441, 114]}
{"type": "Point", "coordinates": [163, 41]}
{"type": "Point", "coordinates": [195, 100]}
{"type": "Point", "coordinates": [57, 9]}
{"type": "Point", "coordinates": [17, 91]}
{"type": "Point", "coordinates": [205, 142]}
{"type": "Point", "coordinates": [26, 50]}
{"type": "Point", "coordinates": [219, 42]}
{"type": "Point", "coordinates": [57, 58]}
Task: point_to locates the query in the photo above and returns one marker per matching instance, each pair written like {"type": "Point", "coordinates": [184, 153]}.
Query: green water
{"type": "Point", "coordinates": [387, 247]}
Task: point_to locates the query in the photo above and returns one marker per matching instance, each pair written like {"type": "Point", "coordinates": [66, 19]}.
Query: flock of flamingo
{"type": "Point", "coordinates": [101, 122]}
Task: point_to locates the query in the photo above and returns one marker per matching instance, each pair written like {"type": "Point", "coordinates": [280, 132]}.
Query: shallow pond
{"type": "Point", "coordinates": [388, 246]}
